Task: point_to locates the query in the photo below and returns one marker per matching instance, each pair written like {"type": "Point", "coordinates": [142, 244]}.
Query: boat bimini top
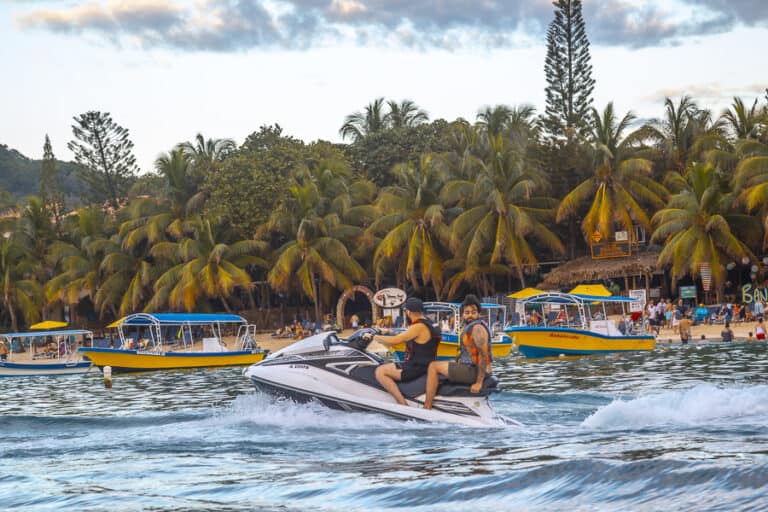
{"type": "Point", "coordinates": [177, 328]}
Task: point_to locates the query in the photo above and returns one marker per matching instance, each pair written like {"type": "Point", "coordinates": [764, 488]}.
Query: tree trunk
{"type": "Point", "coordinates": [317, 297]}
{"type": "Point", "coordinates": [11, 311]}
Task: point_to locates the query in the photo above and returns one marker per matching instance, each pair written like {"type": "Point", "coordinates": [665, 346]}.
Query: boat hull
{"type": "Point", "coordinates": [124, 361]}
{"type": "Point", "coordinates": [536, 342]}
{"type": "Point", "coordinates": [9, 369]}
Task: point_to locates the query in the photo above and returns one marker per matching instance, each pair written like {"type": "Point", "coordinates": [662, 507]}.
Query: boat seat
{"type": "Point", "coordinates": [416, 387]}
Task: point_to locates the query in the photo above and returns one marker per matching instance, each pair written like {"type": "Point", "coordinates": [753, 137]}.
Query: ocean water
{"type": "Point", "coordinates": [681, 428]}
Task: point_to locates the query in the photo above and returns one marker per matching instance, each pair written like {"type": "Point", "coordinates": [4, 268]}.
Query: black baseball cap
{"type": "Point", "coordinates": [414, 305]}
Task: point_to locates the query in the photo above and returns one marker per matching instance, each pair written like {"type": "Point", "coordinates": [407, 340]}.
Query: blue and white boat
{"type": "Point", "coordinates": [45, 353]}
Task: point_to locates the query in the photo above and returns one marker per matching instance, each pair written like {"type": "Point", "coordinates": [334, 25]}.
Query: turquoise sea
{"type": "Point", "coordinates": [682, 428]}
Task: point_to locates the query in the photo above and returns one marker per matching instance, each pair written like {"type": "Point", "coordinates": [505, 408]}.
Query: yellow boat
{"type": "Point", "coordinates": [167, 341]}
{"type": "Point", "coordinates": [578, 333]}
{"type": "Point", "coordinates": [448, 316]}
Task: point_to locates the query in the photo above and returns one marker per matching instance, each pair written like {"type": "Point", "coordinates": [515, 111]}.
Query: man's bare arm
{"type": "Point", "coordinates": [480, 337]}
{"type": "Point", "coordinates": [413, 332]}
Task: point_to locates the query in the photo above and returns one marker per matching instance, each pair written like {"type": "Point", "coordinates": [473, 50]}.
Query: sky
{"type": "Point", "coordinates": [169, 69]}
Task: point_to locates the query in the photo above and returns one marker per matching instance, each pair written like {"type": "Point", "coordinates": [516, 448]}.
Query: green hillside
{"type": "Point", "coordinates": [20, 176]}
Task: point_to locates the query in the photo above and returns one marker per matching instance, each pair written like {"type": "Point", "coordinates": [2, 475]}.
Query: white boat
{"type": "Point", "coordinates": [58, 357]}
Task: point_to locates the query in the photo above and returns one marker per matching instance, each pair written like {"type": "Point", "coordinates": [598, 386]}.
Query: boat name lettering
{"type": "Point", "coordinates": [558, 335]}
{"type": "Point", "coordinates": [302, 366]}
{"type": "Point", "coordinates": [149, 353]}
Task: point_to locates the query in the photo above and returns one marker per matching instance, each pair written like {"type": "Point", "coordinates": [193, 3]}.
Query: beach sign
{"type": "Point", "coordinates": [639, 301]}
{"type": "Point", "coordinates": [389, 298]}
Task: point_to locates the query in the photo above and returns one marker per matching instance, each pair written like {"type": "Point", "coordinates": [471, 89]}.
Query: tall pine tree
{"type": "Point", "coordinates": [105, 154]}
{"type": "Point", "coordinates": [569, 73]}
{"type": "Point", "coordinates": [51, 193]}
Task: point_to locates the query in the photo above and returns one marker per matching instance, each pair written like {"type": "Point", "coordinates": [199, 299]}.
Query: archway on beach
{"type": "Point", "coordinates": [349, 295]}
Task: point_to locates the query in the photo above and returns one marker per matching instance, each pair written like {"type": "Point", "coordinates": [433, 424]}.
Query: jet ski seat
{"type": "Point", "coordinates": [416, 387]}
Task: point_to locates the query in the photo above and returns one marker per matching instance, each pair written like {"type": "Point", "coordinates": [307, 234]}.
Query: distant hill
{"type": "Point", "coordinates": [20, 176]}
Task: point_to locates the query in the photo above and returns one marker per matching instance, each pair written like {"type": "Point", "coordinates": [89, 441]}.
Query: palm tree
{"type": "Point", "coordinates": [621, 181]}
{"type": "Point", "coordinates": [313, 258]}
{"type": "Point", "coordinates": [413, 227]}
{"type": "Point", "coordinates": [493, 120]}
{"type": "Point", "coordinates": [405, 114]}
{"type": "Point", "coordinates": [751, 180]}
{"type": "Point", "coordinates": [698, 227]}
{"type": "Point", "coordinates": [502, 215]}
{"type": "Point", "coordinates": [21, 291]}
{"type": "Point", "coordinates": [205, 154]}
{"type": "Point", "coordinates": [204, 266]}
{"type": "Point", "coordinates": [744, 123]}
{"type": "Point", "coordinates": [360, 124]}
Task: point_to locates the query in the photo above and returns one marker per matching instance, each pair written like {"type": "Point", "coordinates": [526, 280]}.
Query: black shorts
{"type": "Point", "coordinates": [462, 373]}
{"type": "Point", "coordinates": [411, 371]}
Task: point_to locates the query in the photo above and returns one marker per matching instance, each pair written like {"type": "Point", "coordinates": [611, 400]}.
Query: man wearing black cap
{"type": "Point", "coordinates": [474, 360]}
{"type": "Point", "coordinates": [421, 339]}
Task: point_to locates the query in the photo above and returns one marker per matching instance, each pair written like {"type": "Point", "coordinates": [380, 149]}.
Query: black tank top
{"type": "Point", "coordinates": [423, 353]}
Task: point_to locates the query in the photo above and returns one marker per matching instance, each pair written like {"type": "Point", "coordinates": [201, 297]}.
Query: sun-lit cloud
{"type": "Point", "coordinates": [235, 25]}
{"type": "Point", "coordinates": [712, 92]}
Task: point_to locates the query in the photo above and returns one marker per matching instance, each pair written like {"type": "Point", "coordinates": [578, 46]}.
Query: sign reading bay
{"type": "Point", "coordinates": [389, 298]}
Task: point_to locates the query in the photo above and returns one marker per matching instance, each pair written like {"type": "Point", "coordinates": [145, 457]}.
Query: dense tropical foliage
{"type": "Point", "coordinates": [442, 208]}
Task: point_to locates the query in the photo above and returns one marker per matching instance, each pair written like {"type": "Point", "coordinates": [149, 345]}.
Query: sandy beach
{"type": "Point", "coordinates": [666, 335]}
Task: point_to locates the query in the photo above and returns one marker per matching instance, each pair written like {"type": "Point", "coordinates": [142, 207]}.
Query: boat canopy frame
{"type": "Point", "coordinates": [155, 322]}
{"type": "Point", "coordinates": [61, 336]}
{"type": "Point", "coordinates": [580, 302]}
{"type": "Point", "coordinates": [455, 309]}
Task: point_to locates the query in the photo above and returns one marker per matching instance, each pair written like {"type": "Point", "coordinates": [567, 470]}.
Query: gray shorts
{"type": "Point", "coordinates": [462, 373]}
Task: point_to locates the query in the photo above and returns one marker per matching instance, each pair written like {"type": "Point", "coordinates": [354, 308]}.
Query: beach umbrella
{"type": "Point", "coordinates": [596, 290]}
{"type": "Point", "coordinates": [524, 293]}
{"type": "Point", "coordinates": [48, 325]}
{"type": "Point", "coordinates": [115, 324]}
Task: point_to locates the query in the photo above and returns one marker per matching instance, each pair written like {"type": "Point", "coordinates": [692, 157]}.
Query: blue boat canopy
{"type": "Point", "coordinates": [567, 298]}
{"type": "Point", "coordinates": [181, 319]}
{"type": "Point", "coordinates": [36, 334]}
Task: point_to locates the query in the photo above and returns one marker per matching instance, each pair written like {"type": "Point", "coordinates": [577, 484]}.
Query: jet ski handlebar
{"type": "Point", "coordinates": [360, 339]}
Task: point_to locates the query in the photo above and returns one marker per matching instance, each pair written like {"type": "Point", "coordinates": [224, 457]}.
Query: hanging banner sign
{"type": "Point", "coordinates": [706, 276]}
{"type": "Point", "coordinates": [749, 294]}
{"type": "Point", "coordinates": [687, 292]}
{"type": "Point", "coordinates": [389, 298]}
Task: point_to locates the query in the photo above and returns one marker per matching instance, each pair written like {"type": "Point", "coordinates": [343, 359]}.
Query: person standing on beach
{"type": "Point", "coordinates": [760, 329]}
{"type": "Point", "coordinates": [474, 361]}
{"type": "Point", "coordinates": [758, 310]}
{"type": "Point", "coordinates": [421, 339]}
{"type": "Point", "coordinates": [727, 333]}
{"type": "Point", "coordinates": [685, 329]}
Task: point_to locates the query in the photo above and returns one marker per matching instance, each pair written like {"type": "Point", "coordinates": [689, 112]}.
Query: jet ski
{"type": "Point", "coordinates": [340, 374]}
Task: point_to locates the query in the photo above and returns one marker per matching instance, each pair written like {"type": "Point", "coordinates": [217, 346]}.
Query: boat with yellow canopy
{"type": "Point", "coordinates": [574, 324]}
{"type": "Point", "coordinates": [166, 341]}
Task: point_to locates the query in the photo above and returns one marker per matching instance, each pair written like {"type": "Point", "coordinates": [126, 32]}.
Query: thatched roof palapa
{"type": "Point", "coordinates": [587, 269]}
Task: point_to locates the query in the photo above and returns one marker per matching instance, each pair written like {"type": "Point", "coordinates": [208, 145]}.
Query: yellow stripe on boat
{"type": "Point", "coordinates": [450, 350]}
{"type": "Point", "coordinates": [136, 360]}
{"type": "Point", "coordinates": [544, 342]}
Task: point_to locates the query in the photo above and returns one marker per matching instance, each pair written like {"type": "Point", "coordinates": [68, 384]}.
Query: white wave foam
{"type": "Point", "coordinates": [703, 404]}
{"type": "Point", "coordinates": [261, 409]}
